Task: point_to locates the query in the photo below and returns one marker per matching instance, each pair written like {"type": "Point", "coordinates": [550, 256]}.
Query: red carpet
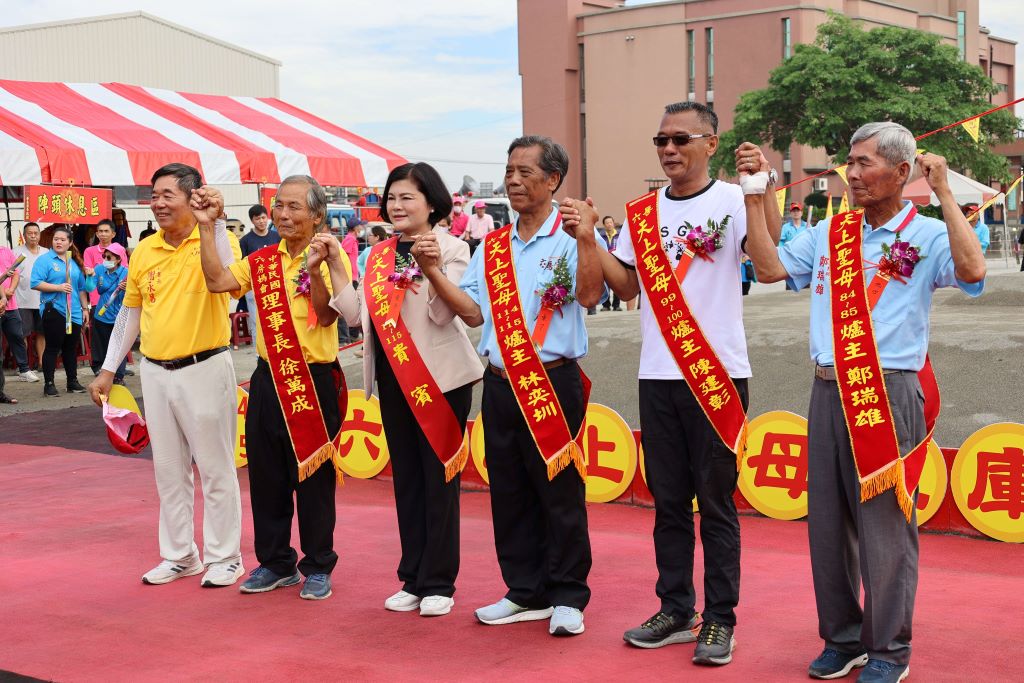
{"type": "Point", "coordinates": [78, 529]}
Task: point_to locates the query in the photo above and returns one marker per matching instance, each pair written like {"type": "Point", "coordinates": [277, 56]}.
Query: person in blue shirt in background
{"type": "Point", "coordinates": [111, 283]}
{"type": "Point", "coordinates": [978, 225]}
{"type": "Point", "coordinates": [50, 277]}
{"type": "Point", "coordinates": [792, 227]}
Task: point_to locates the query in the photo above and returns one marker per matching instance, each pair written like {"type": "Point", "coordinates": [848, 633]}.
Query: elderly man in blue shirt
{"type": "Point", "coordinates": [540, 525]}
{"type": "Point", "coordinates": [870, 541]}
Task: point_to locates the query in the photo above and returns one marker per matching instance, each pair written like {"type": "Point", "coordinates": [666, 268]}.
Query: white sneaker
{"type": "Point", "coordinates": [168, 571]}
{"type": "Point", "coordinates": [402, 602]}
{"type": "Point", "coordinates": [223, 574]}
{"type": "Point", "coordinates": [566, 621]}
{"type": "Point", "coordinates": [436, 605]}
{"type": "Point", "coordinates": [28, 376]}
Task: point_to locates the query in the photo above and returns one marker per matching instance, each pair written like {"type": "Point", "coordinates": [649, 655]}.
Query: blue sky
{"type": "Point", "coordinates": [434, 80]}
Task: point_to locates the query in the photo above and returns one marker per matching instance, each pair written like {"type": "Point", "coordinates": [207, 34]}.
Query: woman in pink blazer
{"type": "Point", "coordinates": [426, 480]}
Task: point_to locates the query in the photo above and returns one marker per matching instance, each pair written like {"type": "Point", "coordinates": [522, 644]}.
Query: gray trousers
{"type": "Point", "coordinates": [852, 541]}
{"type": "Point", "coordinates": [250, 302]}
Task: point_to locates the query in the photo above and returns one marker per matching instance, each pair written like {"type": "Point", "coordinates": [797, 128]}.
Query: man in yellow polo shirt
{"type": "Point", "coordinates": [188, 385]}
{"type": "Point", "coordinates": [280, 416]}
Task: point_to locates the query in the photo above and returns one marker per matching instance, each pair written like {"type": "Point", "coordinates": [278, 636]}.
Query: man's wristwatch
{"type": "Point", "coordinates": [773, 177]}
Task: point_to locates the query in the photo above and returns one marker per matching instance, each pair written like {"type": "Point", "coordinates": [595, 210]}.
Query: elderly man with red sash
{"type": "Point", "coordinates": [528, 287]}
{"type": "Point", "coordinates": [681, 249]}
{"type": "Point", "coordinates": [874, 399]}
{"type": "Point", "coordinates": [296, 394]}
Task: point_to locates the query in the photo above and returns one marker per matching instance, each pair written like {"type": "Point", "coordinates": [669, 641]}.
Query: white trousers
{"type": "Point", "coordinates": [191, 415]}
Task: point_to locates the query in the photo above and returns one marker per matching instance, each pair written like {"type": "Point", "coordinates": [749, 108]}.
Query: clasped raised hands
{"type": "Point", "coordinates": [427, 252]}
{"type": "Point", "coordinates": [323, 249]}
{"type": "Point", "coordinates": [207, 204]}
{"type": "Point", "coordinates": [576, 214]}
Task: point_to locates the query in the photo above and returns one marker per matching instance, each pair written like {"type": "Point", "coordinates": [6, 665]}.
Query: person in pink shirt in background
{"type": "Point", "coordinates": [350, 245]}
{"type": "Point", "coordinates": [93, 256]}
{"type": "Point", "coordinates": [459, 220]}
{"type": "Point", "coordinates": [478, 226]}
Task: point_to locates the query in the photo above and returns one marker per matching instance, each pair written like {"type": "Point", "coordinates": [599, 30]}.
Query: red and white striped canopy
{"type": "Point", "coordinates": [116, 134]}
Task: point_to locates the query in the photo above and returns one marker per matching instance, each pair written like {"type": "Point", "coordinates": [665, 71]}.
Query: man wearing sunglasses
{"type": "Point", "coordinates": [680, 249]}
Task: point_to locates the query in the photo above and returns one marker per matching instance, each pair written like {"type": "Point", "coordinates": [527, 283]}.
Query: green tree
{"type": "Point", "coordinates": [849, 77]}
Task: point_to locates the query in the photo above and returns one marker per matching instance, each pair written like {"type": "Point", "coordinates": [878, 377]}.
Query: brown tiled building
{"type": "Point", "coordinates": [596, 74]}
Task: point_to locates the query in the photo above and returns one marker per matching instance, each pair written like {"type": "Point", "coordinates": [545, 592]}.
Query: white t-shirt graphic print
{"type": "Point", "coordinates": [712, 288]}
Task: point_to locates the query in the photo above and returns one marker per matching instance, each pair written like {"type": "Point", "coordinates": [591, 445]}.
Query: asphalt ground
{"type": "Point", "coordinates": [977, 350]}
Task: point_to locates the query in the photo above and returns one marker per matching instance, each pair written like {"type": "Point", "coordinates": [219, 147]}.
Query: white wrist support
{"type": "Point", "coordinates": [754, 184]}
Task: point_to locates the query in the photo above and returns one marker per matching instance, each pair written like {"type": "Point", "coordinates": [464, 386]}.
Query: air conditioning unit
{"type": "Point", "coordinates": [821, 184]}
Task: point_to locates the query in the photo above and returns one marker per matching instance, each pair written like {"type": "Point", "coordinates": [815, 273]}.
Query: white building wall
{"type": "Point", "coordinates": [138, 49]}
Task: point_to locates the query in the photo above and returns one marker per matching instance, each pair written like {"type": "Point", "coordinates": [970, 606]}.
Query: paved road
{"type": "Point", "coordinates": [977, 348]}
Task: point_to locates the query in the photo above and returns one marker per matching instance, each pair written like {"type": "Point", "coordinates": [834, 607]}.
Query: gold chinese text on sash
{"type": "Point", "coordinates": [526, 373]}
{"type": "Point", "coordinates": [432, 411]}
{"type": "Point", "coordinates": [699, 364]}
{"type": "Point", "coordinates": [859, 373]}
{"type": "Point", "coordinates": [293, 381]}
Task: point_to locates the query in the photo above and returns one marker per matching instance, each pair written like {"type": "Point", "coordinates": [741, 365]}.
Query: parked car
{"type": "Point", "coordinates": [339, 216]}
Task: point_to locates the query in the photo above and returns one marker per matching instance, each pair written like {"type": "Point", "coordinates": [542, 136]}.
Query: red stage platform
{"type": "Point", "coordinates": [78, 529]}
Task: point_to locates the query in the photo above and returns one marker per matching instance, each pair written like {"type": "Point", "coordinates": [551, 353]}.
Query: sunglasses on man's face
{"type": "Point", "coordinates": [678, 140]}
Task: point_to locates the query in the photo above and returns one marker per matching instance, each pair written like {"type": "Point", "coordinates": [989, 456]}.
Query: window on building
{"type": "Point", "coordinates": [787, 39]}
{"type": "Point", "coordinates": [961, 33]}
{"type": "Point", "coordinates": [691, 60]}
{"type": "Point", "coordinates": [709, 53]}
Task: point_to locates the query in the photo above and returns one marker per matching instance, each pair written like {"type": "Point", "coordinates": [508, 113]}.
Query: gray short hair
{"type": "Point", "coordinates": [895, 143]}
{"type": "Point", "coordinates": [553, 157]}
{"type": "Point", "coordinates": [316, 198]}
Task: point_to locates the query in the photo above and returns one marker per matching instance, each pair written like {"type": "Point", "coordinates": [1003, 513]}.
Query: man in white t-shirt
{"type": "Point", "coordinates": [28, 298]}
{"type": "Point", "coordinates": [684, 455]}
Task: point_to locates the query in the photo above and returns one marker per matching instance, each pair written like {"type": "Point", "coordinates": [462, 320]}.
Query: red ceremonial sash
{"type": "Point", "coordinates": [859, 374]}
{"type": "Point", "coordinates": [293, 381]}
{"type": "Point", "coordinates": [432, 411]}
{"type": "Point", "coordinates": [699, 364]}
{"type": "Point", "coordinates": [526, 373]}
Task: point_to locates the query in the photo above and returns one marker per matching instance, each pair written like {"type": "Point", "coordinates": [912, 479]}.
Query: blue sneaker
{"type": "Point", "coordinates": [317, 587]}
{"type": "Point", "coordinates": [881, 671]}
{"type": "Point", "coordinates": [832, 663]}
{"type": "Point", "coordinates": [262, 580]}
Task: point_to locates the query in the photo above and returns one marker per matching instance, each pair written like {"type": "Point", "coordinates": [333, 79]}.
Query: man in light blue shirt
{"type": "Point", "coordinates": [979, 227]}
{"type": "Point", "coordinates": [540, 525]}
{"type": "Point", "coordinates": [794, 225]}
{"type": "Point", "coordinates": [535, 260]}
{"type": "Point", "coordinates": [841, 528]}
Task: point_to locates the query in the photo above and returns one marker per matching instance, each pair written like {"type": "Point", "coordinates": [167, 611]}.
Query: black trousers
{"type": "Point", "coordinates": [101, 332]}
{"type": "Point", "coordinates": [540, 526]}
{"type": "Point", "coordinates": [427, 506]}
{"type": "Point", "coordinates": [58, 343]}
{"type": "Point", "coordinates": [274, 478]}
{"type": "Point", "coordinates": [684, 456]}
{"type": "Point", "coordinates": [10, 324]}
